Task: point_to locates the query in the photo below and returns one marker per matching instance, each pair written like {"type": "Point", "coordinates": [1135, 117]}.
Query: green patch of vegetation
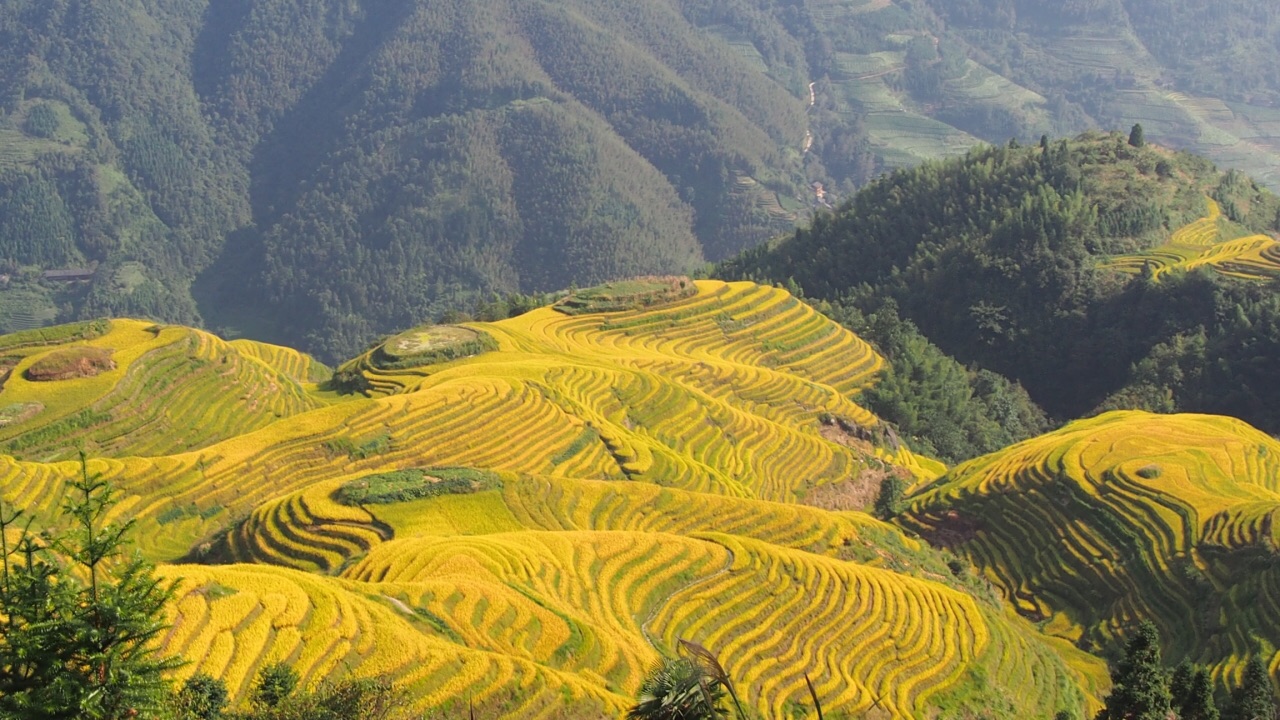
{"type": "Point", "coordinates": [416, 484]}
{"type": "Point", "coordinates": [431, 345]}
{"type": "Point", "coordinates": [54, 431]}
{"type": "Point", "coordinates": [56, 335]}
{"type": "Point", "coordinates": [728, 325]}
{"type": "Point", "coordinates": [217, 591]}
{"type": "Point", "coordinates": [1149, 472]}
{"type": "Point", "coordinates": [318, 372]}
{"type": "Point", "coordinates": [892, 498]}
{"type": "Point", "coordinates": [627, 295]}
{"type": "Point", "coordinates": [437, 624]}
{"type": "Point", "coordinates": [182, 512]}
{"type": "Point", "coordinates": [349, 381]}
{"type": "Point", "coordinates": [376, 445]}
{"type": "Point", "coordinates": [18, 412]}
{"type": "Point", "coordinates": [588, 437]}
{"type": "Point", "coordinates": [42, 121]}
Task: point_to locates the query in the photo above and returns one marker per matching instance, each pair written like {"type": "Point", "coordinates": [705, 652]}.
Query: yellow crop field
{"type": "Point", "coordinates": [292, 364]}
{"type": "Point", "coordinates": [544, 508]}
{"type": "Point", "coordinates": [1199, 243]}
{"type": "Point", "coordinates": [173, 389]}
{"type": "Point", "coordinates": [1125, 516]}
{"type": "Point", "coordinates": [230, 621]}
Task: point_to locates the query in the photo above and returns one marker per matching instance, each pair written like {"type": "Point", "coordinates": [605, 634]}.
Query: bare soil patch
{"type": "Point", "coordinates": [641, 292]}
{"type": "Point", "coordinates": [952, 529]}
{"type": "Point", "coordinates": [856, 494]}
{"type": "Point", "coordinates": [843, 431]}
{"type": "Point", "coordinates": [71, 363]}
{"type": "Point", "coordinates": [424, 340]}
{"type": "Point", "coordinates": [19, 412]}
{"type": "Point", "coordinates": [431, 344]}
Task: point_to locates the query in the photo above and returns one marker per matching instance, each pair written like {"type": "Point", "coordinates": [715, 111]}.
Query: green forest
{"type": "Point", "coordinates": [992, 266]}
{"type": "Point", "coordinates": [319, 173]}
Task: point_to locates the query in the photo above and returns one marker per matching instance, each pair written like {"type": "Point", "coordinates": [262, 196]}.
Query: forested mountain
{"type": "Point", "coordinates": [321, 172]}
{"type": "Point", "coordinates": [1097, 273]}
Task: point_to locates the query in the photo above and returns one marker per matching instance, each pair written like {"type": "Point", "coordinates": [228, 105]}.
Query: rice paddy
{"type": "Point", "coordinates": [140, 389]}
{"type": "Point", "coordinates": [532, 525]}
{"type": "Point", "coordinates": [1123, 517]}
{"type": "Point", "coordinates": [1200, 244]}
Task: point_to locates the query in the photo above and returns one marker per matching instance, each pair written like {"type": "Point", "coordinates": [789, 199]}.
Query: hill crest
{"type": "Point", "coordinates": [1122, 517]}
{"type": "Point", "coordinates": [590, 488]}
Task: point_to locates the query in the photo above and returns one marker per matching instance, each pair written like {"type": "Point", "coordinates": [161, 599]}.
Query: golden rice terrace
{"type": "Point", "coordinates": [526, 513]}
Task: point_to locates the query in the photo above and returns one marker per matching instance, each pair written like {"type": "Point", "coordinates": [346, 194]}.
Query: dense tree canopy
{"type": "Point", "coordinates": [998, 258]}
{"type": "Point", "coordinates": [321, 172]}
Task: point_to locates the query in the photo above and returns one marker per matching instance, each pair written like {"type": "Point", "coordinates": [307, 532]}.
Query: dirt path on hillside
{"type": "Point", "coordinates": [399, 604]}
{"type": "Point", "coordinates": [728, 567]}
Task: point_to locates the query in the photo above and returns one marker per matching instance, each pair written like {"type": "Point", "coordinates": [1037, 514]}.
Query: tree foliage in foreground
{"type": "Point", "coordinates": [80, 616]}
{"type": "Point", "coordinates": [1140, 683]}
{"type": "Point", "coordinates": [693, 686]}
{"type": "Point", "coordinates": [1143, 689]}
{"type": "Point", "coordinates": [276, 695]}
{"type": "Point", "coordinates": [1255, 698]}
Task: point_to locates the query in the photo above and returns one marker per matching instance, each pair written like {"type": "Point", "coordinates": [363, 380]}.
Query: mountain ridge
{"type": "Point", "coordinates": [306, 149]}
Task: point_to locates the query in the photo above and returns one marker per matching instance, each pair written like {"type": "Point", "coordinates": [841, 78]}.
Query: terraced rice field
{"type": "Point", "coordinates": [231, 621]}
{"type": "Point", "coordinates": [1256, 257]}
{"type": "Point", "coordinates": [173, 389]}
{"type": "Point", "coordinates": [1123, 517]}
{"type": "Point", "coordinates": [650, 470]}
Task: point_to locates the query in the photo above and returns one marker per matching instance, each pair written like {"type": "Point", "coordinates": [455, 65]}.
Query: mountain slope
{"type": "Point", "coordinates": [448, 150]}
{"type": "Point", "coordinates": [319, 173]}
{"type": "Point", "coordinates": [1029, 262]}
{"type": "Point", "coordinates": [1123, 517]}
{"type": "Point", "coordinates": [527, 512]}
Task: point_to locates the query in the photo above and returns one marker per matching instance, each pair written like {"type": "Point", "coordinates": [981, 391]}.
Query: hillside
{"type": "Point", "coordinates": [526, 512]}
{"type": "Point", "coordinates": [1191, 74]}
{"type": "Point", "coordinates": [320, 173]}
{"type": "Point", "coordinates": [163, 390]}
{"type": "Point", "coordinates": [1205, 243]}
{"type": "Point", "coordinates": [1097, 274]}
{"type": "Point", "coordinates": [1121, 517]}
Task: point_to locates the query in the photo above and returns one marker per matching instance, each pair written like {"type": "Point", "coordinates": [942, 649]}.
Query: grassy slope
{"type": "Point", "coordinates": [549, 596]}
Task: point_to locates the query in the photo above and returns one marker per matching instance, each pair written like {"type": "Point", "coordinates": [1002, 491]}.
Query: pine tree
{"type": "Point", "coordinates": [1181, 683]}
{"type": "Point", "coordinates": [1198, 704]}
{"type": "Point", "coordinates": [275, 685]}
{"type": "Point", "coordinates": [892, 498]}
{"type": "Point", "coordinates": [1139, 684]}
{"type": "Point", "coordinates": [202, 697]}
{"type": "Point", "coordinates": [1136, 136]}
{"type": "Point", "coordinates": [1255, 698]}
{"type": "Point", "coordinates": [79, 617]}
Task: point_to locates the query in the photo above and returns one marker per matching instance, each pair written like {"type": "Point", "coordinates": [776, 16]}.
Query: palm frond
{"type": "Point", "coordinates": [712, 667]}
